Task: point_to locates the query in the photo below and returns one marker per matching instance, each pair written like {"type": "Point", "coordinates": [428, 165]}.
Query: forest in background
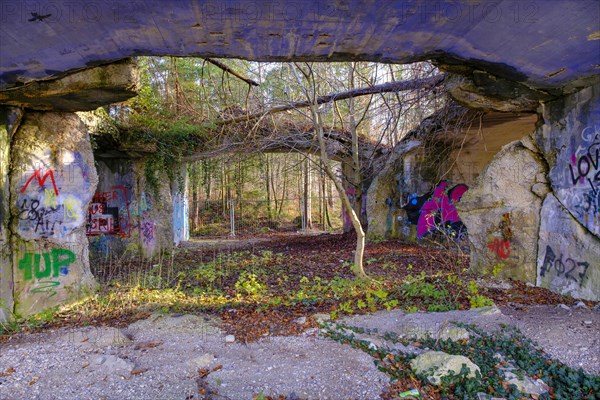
{"type": "Point", "coordinates": [246, 132]}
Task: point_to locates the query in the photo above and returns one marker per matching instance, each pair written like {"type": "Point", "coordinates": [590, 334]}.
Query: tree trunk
{"type": "Point", "coordinates": [357, 268]}
{"type": "Point", "coordinates": [268, 174]}
{"type": "Point", "coordinates": [307, 195]}
{"type": "Point", "coordinates": [356, 167]}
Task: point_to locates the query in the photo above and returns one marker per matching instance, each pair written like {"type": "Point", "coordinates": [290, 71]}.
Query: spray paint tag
{"type": "Point", "coordinates": [410, 393]}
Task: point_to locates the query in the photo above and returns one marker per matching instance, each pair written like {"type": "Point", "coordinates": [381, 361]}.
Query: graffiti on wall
{"type": "Point", "coordinates": [148, 233]}
{"type": "Point", "coordinates": [49, 199]}
{"type": "Point", "coordinates": [501, 246]}
{"type": "Point", "coordinates": [564, 266]}
{"type": "Point", "coordinates": [436, 210]}
{"type": "Point", "coordinates": [46, 268]}
{"type": "Point", "coordinates": [584, 168]}
{"type": "Point", "coordinates": [108, 214]}
{"type": "Point", "coordinates": [577, 177]}
{"type": "Point", "coordinates": [180, 217]}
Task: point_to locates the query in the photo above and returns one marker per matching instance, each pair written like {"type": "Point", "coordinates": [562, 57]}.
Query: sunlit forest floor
{"type": "Point", "coordinates": [260, 286]}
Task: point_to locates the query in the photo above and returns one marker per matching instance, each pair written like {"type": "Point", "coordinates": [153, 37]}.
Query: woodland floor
{"type": "Point", "coordinates": [269, 293]}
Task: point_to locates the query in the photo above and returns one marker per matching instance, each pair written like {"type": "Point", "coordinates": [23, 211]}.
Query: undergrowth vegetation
{"type": "Point", "coordinates": [491, 352]}
{"type": "Point", "coordinates": [253, 290]}
{"type": "Point", "coordinates": [261, 280]}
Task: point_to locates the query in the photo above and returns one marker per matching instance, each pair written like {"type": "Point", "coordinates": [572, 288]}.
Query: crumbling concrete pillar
{"type": "Point", "coordinates": [127, 214]}
{"type": "Point", "coordinates": [179, 193]}
{"type": "Point", "coordinates": [502, 212]}
{"type": "Point", "coordinates": [52, 179]}
{"type": "Point", "coordinates": [9, 117]}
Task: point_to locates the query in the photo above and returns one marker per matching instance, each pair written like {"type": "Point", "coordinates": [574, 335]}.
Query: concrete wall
{"type": "Point", "coordinates": [6, 278]}
{"type": "Point", "coordinates": [51, 182]}
{"type": "Point", "coordinates": [127, 215]}
{"type": "Point", "coordinates": [181, 208]}
{"type": "Point", "coordinates": [534, 214]}
{"type": "Point", "coordinates": [409, 181]}
{"type": "Point", "coordinates": [569, 243]}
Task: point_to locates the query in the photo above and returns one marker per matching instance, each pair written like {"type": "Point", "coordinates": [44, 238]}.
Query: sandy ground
{"type": "Point", "coordinates": [159, 358]}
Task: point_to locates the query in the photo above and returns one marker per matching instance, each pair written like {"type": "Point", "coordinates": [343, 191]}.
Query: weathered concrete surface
{"type": "Point", "coordinates": [52, 180]}
{"type": "Point", "coordinates": [502, 213]}
{"type": "Point", "coordinates": [557, 244]}
{"type": "Point", "coordinates": [81, 91]}
{"type": "Point", "coordinates": [156, 224]}
{"type": "Point", "coordinates": [569, 255]}
{"type": "Point", "coordinates": [539, 43]}
{"type": "Point", "coordinates": [570, 141]}
{"type": "Point", "coordinates": [384, 193]}
{"type": "Point", "coordinates": [481, 90]}
{"type": "Point", "coordinates": [179, 194]}
{"type": "Point", "coordinates": [8, 119]}
{"type": "Point", "coordinates": [569, 243]}
{"type": "Point", "coordinates": [407, 172]}
{"type": "Point", "coordinates": [126, 214]}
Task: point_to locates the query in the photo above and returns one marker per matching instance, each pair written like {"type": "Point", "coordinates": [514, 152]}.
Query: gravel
{"type": "Point", "coordinates": [159, 358]}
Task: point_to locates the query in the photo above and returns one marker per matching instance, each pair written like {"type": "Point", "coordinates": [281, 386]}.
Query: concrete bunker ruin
{"type": "Point", "coordinates": [509, 56]}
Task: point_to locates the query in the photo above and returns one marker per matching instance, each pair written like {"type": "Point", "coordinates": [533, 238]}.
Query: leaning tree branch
{"type": "Point", "coordinates": [227, 69]}
{"type": "Point", "coordinates": [397, 86]}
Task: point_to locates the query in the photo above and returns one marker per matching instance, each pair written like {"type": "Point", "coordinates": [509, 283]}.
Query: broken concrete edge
{"type": "Point", "coordinates": [83, 90]}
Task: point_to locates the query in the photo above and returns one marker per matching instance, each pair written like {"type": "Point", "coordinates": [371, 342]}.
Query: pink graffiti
{"type": "Point", "coordinates": [440, 209]}
{"type": "Point", "coordinates": [501, 248]}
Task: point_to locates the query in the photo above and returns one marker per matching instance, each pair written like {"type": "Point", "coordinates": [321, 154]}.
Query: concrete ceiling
{"type": "Point", "coordinates": [545, 44]}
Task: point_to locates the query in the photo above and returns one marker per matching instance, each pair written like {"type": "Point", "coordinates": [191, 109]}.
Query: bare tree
{"type": "Point", "coordinates": [309, 87]}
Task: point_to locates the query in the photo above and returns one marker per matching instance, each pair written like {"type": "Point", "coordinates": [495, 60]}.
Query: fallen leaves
{"type": "Point", "coordinates": [147, 345]}
{"type": "Point", "coordinates": [249, 325]}
{"type": "Point", "coordinates": [203, 390]}
{"type": "Point", "coordinates": [138, 370]}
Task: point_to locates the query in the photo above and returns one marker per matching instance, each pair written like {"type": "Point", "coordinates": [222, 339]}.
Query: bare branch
{"type": "Point", "coordinates": [225, 68]}
{"type": "Point", "coordinates": [382, 88]}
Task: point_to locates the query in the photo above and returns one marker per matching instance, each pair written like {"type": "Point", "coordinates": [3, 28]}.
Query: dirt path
{"type": "Point", "coordinates": [159, 358]}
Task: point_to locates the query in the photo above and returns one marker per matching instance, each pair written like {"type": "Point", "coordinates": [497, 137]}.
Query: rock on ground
{"type": "Point", "coordinates": [437, 365]}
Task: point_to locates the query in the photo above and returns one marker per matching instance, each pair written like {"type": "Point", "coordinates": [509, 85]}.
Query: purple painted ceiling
{"type": "Point", "coordinates": [545, 43]}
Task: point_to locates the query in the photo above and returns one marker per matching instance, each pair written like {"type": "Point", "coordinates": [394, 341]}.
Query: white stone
{"type": "Point", "coordinates": [438, 364]}
{"type": "Point", "coordinates": [321, 317]}
{"type": "Point", "coordinates": [113, 364]}
{"type": "Point", "coordinates": [229, 339]}
{"type": "Point", "coordinates": [526, 385]}
{"type": "Point", "coordinates": [300, 320]}
{"type": "Point", "coordinates": [581, 305]}
{"type": "Point", "coordinates": [203, 361]}
{"type": "Point", "coordinates": [491, 310]}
